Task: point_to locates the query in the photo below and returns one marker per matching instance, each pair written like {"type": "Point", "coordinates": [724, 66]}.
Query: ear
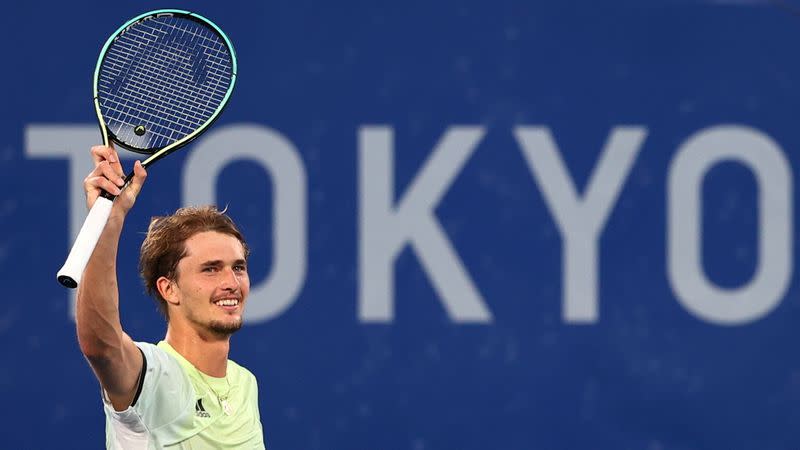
{"type": "Point", "coordinates": [168, 290]}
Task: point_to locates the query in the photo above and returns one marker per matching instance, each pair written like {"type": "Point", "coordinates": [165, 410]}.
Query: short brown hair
{"type": "Point", "coordinates": [164, 246]}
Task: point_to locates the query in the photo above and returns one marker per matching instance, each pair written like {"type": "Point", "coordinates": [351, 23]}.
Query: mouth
{"type": "Point", "coordinates": [228, 304]}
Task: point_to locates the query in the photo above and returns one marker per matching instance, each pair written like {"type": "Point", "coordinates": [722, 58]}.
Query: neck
{"type": "Point", "coordinates": [206, 351]}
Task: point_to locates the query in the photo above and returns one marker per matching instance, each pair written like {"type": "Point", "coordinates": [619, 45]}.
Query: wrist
{"type": "Point", "coordinates": [117, 217]}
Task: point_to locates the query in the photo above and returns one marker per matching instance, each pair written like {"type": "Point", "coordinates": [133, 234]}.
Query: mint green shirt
{"type": "Point", "coordinates": [181, 408]}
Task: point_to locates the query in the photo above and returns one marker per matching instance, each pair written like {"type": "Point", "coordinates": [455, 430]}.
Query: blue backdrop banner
{"type": "Point", "coordinates": [475, 225]}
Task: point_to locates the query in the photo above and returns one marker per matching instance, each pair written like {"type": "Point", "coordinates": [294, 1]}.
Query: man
{"type": "Point", "coordinates": [184, 392]}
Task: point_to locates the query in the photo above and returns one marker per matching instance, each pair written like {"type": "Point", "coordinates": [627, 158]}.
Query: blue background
{"type": "Point", "coordinates": [647, 375]}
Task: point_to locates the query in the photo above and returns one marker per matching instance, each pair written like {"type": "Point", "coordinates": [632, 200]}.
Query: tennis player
{"type": "Point", "coordinates": [183, 392]}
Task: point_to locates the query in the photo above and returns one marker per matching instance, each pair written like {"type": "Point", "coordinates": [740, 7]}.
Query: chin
{"type": "Point", "coordinates": [225, 328]}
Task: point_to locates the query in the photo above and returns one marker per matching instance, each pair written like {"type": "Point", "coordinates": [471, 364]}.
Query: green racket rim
{"type": "Point", "coordinates": [159, 153]}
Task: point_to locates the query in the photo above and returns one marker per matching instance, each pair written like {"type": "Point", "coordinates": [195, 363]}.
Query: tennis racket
{"type": "Point", "coordinates": [161, 80]}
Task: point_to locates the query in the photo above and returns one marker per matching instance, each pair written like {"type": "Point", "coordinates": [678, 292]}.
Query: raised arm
{"type": "Point", "coordinates": [115, 359]}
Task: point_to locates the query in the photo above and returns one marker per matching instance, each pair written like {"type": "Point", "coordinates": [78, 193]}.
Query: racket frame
{"type": "Point", "coordinates": [159, 153]}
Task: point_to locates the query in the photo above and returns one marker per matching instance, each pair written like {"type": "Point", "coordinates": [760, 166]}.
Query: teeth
{"type": "Point", "coordinates": [229, 302]}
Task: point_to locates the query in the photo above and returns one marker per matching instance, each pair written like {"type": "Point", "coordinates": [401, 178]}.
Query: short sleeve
{"type": "Point", "coordinates": [166, 395]}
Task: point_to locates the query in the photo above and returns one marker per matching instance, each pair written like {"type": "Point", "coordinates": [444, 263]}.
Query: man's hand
{"type": "Point", "coordinates": [109, 176]}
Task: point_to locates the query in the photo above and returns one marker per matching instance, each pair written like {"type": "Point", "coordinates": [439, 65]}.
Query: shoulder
{"type": "Point", "coordinates": [156, 356]}
{"type": "Point", "coordinates": [162, 372]}
{"type": "Point", "coordinates": [241, 372]}
{"type": "Point", "coordinates": [166, 392]}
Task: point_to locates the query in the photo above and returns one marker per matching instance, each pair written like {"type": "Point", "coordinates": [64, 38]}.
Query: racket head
{"type": "Point", "coordinates": [161, 80]}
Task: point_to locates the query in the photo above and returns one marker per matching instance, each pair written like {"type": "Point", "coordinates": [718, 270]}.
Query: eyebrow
{"type": "Point", "coordinates": [219, 262]}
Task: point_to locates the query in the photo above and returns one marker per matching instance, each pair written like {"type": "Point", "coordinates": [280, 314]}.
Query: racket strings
{"type": "Point", "coordinates": [178, 54]}
{"type": "Point", "coordinates": [169, 75]}
{"type": "Point", "coordinates": [145, 75]}
{"type": "Point", "coordinates": [144, 82]}
{"type": "Point", "coordinates": [175, 114]}
{"type": "Point", "coordinates": [184, 107]}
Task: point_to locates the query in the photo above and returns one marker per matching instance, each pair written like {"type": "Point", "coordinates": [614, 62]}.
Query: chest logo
{"type": "Point", "coordinates": [199, 410]}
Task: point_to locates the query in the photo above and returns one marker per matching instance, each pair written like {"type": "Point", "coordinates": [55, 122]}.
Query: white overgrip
{"type": "Point", "coordinates": [72, 271]}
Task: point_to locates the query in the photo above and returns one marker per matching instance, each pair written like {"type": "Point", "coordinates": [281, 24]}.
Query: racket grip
{"type": "Point", "coordinates": [72, 271]}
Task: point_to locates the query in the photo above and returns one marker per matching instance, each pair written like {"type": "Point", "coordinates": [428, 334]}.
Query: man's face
{"type": "Point", "coordinates": [212, 282]}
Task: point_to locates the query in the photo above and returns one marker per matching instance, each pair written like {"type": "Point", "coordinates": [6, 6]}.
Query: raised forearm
{"type": "Point", "coordinates": [97, 315]}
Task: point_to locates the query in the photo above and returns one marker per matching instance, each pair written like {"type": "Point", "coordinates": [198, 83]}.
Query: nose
{"type": "Point", "coordinates": [230, 282]}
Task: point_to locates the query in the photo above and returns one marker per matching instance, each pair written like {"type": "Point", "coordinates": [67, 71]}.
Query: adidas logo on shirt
{"type": "Point", "coordinates": [199, 410]}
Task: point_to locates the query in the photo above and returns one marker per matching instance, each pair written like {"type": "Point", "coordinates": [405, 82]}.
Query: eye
{"type": "Point", "coordinates": [240, 268]}
{"type": "Point", "coordinates": [209, 269]}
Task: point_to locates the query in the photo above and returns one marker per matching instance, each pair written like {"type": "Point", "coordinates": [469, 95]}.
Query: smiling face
{"type": "Point", "coordinates": [211, 284]}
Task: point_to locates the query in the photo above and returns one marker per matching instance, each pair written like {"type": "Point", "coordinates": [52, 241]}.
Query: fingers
{"type": "Point", "coordinates": [107, 154]}
{"type": "Point", "coordinates": [109, 176]}
{"type": "Point", "coordinates": [109, 171]}
{"type": "Point", "coordinates": [139, 175]}
{"type": "Point", "coordinates": [106, 177]}
{"type": "Point", "coordinates": [102, 153]}
{"type": "Point", "coordinates": [129, 194]}
{"type": "Point", "coordinates": [95, 183]}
